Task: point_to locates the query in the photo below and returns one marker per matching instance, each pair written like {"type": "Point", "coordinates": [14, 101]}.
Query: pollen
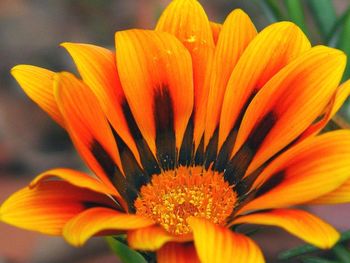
{"type": "Point", "coordinates": [173, 196]}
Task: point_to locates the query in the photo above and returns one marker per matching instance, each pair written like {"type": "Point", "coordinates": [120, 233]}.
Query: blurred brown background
{"type": "Point", "coordinates": [30, 142]}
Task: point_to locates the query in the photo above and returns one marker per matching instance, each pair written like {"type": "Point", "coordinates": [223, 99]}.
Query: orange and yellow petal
{"type": "Point", "coordinates": [155, 70]}
{"type": "Point", "coordinates": [187, 20]}
{"type": "Point", "coordinates": [290, 102]}
{"type": "Point", "coordinates": [307, 171]}
{"type": "Point", "coordinates": [338, 196]}
{"type": "Point", "coordinates": [100, 219]}
{"type": "Point", "coordinates": [38, 84]}
{"type": "Point", "coordinates": [235, 35]}
{"type": "Point", "coordinates": [215, 29]}
{"type": "Point", "coordinates": [98, 69]}
{"type": "Point", "coordinates": [87, 126]}
{"type": "Point", "coordinates": [177, 253]}
{"type": "Point", "coordinates": [153, 237]}
{"type": "Point", "coordinates": [47, 207]}
{"type": "Point", "coordinates": [273, 48]}
{"type": "Point", "coordinates": [219, 244]}
{"type": "Point", "coordinates": [75, 178]}
{"type": "Point", "coordinates": [341, 95]}
{"type": "Point", "coordinates": [297, 222]}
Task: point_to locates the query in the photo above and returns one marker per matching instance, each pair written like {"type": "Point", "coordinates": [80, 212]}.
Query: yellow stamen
{"type": "Point", "coordinates": [173, 196]}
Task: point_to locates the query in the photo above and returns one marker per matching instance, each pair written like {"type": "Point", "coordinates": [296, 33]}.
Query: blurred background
{"type": "Point", "coordinates": [30, 142]}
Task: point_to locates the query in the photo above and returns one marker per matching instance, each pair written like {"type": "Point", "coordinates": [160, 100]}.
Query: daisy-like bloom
{"type": "Point", "coordinates": [191, 130]}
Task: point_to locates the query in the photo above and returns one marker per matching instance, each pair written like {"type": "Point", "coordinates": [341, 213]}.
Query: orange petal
{"type": "Point", "coordinates": [47, 207]}
{"type": "Point", "coordinates": [155, 70]}
{"type": "Point", "coordinates": [75, 178]}
{"type": "Point", "coordinates": [272, 49]}
{"type": "Point", "coordinates": [153, 238]}
{"type": "Point", "coordinates": [340, 96]}
{"type": "Point", "coordinates": [312, 168]}
{"type": "Point", "coordinates": [95, 220]}
{"type": "Point", "coordinates": [38, 85]}
{"type": "Point", "coordinates": [97, 67]}
{"type": "Point", "coordinates": [290, 102]}
{"type": "Point", "coordinates": [88, 126]}
{"type": "Point", "coordinates": [177, 253]}
{"type": "Point", "coordinates": [236, 33]}
{"type": "Point", "coordinates": [187, 20]}
{"type": "Point", "coordinates": [215, 29]}
{"type": "Point", "coordinates": [337, 196]}
{"type": "Point", "coordinates": [297, 222]}
{"type": "Point", "coordinates": [219, 244]}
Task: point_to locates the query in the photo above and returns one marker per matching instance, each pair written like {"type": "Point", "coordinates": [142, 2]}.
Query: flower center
{"type": "Point", "coordinates": [173, 196]}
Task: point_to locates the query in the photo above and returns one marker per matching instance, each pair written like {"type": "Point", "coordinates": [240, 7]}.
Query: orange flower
{"type": "Point", "coordinates": [190, 129]}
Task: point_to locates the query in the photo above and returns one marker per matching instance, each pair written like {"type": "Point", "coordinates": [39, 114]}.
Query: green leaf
{"type": "Point", "coordinates": [342, 253]}
{"type": "Point", "coordinates": [126, 254]}
{"type": "Point", "coordinates": [324, 15]}
{"type": "Point", "coordinates": [297, 251]}
{"type": "Point", "coordinates": [344, 43]}
{"type": "Point", "coordinates": [333, 37]}
{"type": "Point", "coordinates": [296, 13]}
{"type": "Point", "coordinates": [307, 249]}
{"type": "Point", "coordinates": [271, 10]}
{"type": "Point", "coordinates": [345, 236]}
{"type": "Point", "coordinates": [316, 260]}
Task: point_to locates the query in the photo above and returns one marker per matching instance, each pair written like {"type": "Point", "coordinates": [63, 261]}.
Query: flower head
{"type": "Point", "coordinates": [191, 130]}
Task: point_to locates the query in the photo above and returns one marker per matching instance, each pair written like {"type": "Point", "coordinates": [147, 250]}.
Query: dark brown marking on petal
{"type": "Point", "coordinates": [163, 110]}
{"type": "Point", "coordinates": [187, 146]}
{"type": "Point", "coordinates": [271, 183]}
{"type": "Point", "coordinates": [210, 151]}
{"type": "Point", "coordinates": [226, 148]}
{"type": "Point", "coordinates": [225, 151]}
{"type": "Point", "coordinates": [91, 204]}
{"type": "Point", "coordinates": [199, 155]}
{"type": "Point", "coordinates": [148, 161]}
{"type": "Point", "coordinates": [135, 176]}
{"type": "Point", "coordinates": [243, 187]}
{"type": "Point", "coordinates": [238, 165]}
{"type": "Point", "coordinates": [114, 174]}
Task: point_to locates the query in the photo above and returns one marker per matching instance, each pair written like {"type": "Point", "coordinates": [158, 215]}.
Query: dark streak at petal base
{"type": "Point", "coordinates": [163, 110]}
{"type": "Point", "coordinates": [238, 165]}
{"type": "Point", "coordinates": [114, 174]}
{"type": "Point", "coordinates": [148, 161]}
{"type": "Point", "coordinates": [187, 146]}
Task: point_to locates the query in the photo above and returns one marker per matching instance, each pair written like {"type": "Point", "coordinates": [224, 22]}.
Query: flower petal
{"type": "Point", "coordinates": [337, 196]}
{"type": "Point", "coordinates": [153, 238]}
{"type": "Point", "coordinates": [37, 83]}
{"type": "Point", "coordinates": [272, 49]}
{"type": "Point", "coordinates": [219, 244]}
{"type": "Point", "coordinates": [155, 70]}
{"type": "Point", "coordinates": [236, 33]}
{"type": "Point", "coordinates": [215, 29]}
{"type": "Point", "coordinates": [289, 103]}
{"type": "Point", "coordinates": [88, 127]}
{"type": "Point", "coordinates": [177, 253]}
{"type": "Point", "coordinates": [340, 96]}
{"type": "Point", "coordinates": [297, 222]}
{"type": "Point", "coordinates": [314, 167]}
{"type": "Point", "coordinates": [75, 178]}
{"type": "Point", "coordinates": [47, 207]}
{"type": "Point", "coordinates": [96, 220]}
{"type": "Point", "coordinates": [97, 67]}
{"type": "Point", "coordinates": [187, 20]}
